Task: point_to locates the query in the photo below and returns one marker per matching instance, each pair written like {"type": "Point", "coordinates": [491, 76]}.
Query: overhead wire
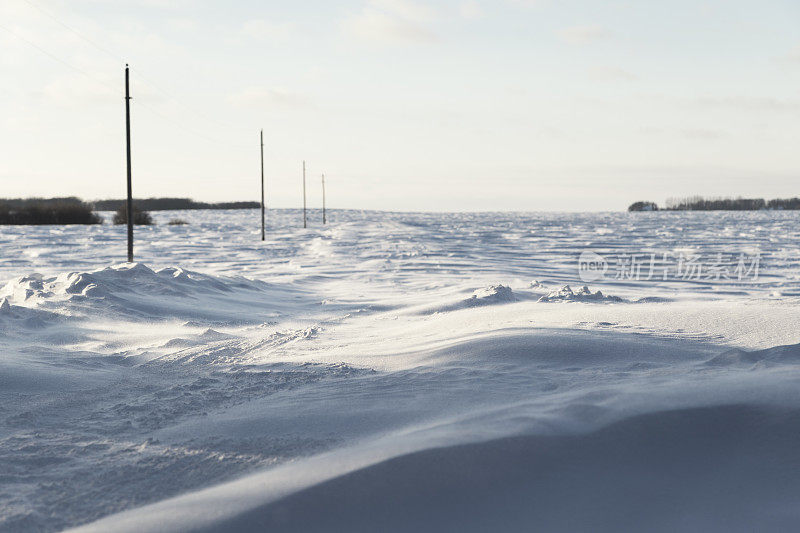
{"type": "Point", "coordinates": [140, 76]}
{"type": "Point", "coordinates": [51, 55]}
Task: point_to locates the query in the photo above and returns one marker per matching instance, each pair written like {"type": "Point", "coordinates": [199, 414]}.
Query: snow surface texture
{"type": "Point", "coordinates": [399, 372]}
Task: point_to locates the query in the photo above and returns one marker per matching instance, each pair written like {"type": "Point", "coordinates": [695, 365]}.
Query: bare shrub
{"type": "Point", "coordinates": [140, 218]}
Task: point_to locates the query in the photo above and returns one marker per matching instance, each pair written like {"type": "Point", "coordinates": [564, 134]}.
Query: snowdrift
{"type": "Point", "coordinates": [131, 291]}
{"type": "Point", "coordinates": [396, 371]}
{"type": "Point", "coordinates": [667, 471]}
{"type": "Point", "coordinates": [663, 471]}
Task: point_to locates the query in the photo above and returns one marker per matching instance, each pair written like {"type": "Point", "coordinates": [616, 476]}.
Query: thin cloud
{"type": "Point", "coordinates": [701, 134]}
{"type": "Point", "coordinates": [471, 10]}
{"type": "Point", "coordinates": [747, 103]}
{"type": "Point", "coordinates": [164, 4]}
{"type": "Point", "coordinates": [392, 21]}
{"type": "Point", "coordinates": [530, 3]}
{"type": "Point", "coordinates": [264, 97]}
{"type": "Point", "coordinates": [581, 35]}
{"type": "Point", "coordinates": [607, 73]}
{"type": "Point", "coordinates": [406, 9]}
{"type": "Point", "coordinates": [74, 89]}
{"type": "Point", "coordinates": [265, 29]}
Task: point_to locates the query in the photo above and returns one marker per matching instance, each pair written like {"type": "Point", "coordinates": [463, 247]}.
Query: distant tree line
{"type": "Point", "coordinates": [72, 210]}
{"type": "Point", "coordinates": [26, 202]}
{"type": "Point", "coordinates": [171, 204]}
{"type": "Point", "coordinates": [698, 203]}
{"type": "Point", "coordinates": [50, 211]}
{"type": "Point", "coordinates": [790, 204]}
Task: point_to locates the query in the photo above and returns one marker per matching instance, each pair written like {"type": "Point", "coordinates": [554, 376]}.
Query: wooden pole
{"type": "Point", "coordinates": [305, 224]}
{"type": "Point", "coordinates": [263, 226]}
{"type": "Point", "coordinates": [324, 219]}
{"type": "Point", "coordinates": [128, 143]}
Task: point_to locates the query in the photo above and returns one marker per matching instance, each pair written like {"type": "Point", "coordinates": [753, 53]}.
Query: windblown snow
{"type": "Point", "coordinates": [401, 372]}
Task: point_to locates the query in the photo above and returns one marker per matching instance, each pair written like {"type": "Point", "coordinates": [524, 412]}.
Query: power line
{"type": "Point", "coordinates": [140, 75]}
{"type": "Point", "coordinates": [54, 57]}
{"type": "Point", "coordinates": [186, 107]}
{"type": "Point", "coordinates": [197, 133]}
{"type": "Point", "coordinates": [112, 89]}
{"type": "Point", "coordinates": [73, 30]}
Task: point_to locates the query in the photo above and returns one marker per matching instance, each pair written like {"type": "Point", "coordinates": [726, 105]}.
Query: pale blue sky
{"type": "Point", "coordinates": [411, 105]}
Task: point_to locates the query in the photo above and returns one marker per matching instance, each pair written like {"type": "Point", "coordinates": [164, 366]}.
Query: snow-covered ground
{"type": "Point", "coordinates": [403, 372]}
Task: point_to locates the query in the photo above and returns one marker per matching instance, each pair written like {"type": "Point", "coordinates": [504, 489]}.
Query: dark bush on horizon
{"type": "Point", "coordinates": [643, 206]}
{"type": "Point", "coordinates": [171, 204]}
{"type": "Point", "coordinates": [38, 212]}
{"type": "Point", "coordinates": [140, 218]}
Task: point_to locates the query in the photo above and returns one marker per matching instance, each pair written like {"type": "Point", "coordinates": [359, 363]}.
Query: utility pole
{"type": "Point", "coordinates": [128, 139]}
{"type": "Point", "coordinates": [324, 219]}
{"type": "Point", "coordinates": [263, 229]}
{"type": "Point", "coordinates": [305, 224]}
